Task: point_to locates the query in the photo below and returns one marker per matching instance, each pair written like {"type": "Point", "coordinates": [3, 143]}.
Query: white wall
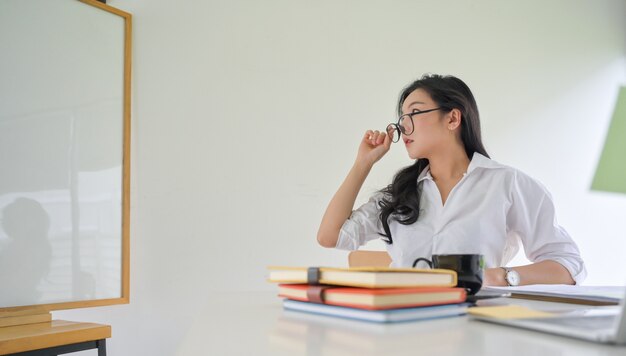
{"type": "Point", "coordinates": [247, 116]}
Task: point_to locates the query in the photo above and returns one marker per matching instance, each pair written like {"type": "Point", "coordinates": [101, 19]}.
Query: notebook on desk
{"type": "Point", "coordinates": [598, 324]}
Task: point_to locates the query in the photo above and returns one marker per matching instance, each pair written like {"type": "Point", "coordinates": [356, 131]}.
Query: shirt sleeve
{"type": "Point", "coordinates": [532, 217]}
{"type": "Point", "coordinates": [362, 226]}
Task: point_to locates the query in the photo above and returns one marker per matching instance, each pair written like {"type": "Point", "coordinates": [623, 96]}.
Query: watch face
{"type": "Point", "coordinates": [513, 278]}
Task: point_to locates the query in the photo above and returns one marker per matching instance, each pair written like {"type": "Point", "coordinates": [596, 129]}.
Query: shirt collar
{"type": "Point", "coordinates": [478, 161]}
{"type": "Point", "coordinates": [425, 174]}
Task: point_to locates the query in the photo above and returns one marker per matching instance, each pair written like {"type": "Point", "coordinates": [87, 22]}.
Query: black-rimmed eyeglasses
{"type": "Point", "coordinates": [405, 124]}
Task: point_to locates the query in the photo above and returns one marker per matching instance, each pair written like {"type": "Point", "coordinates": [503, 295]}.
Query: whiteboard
{"type": "Point", "coordinates": [63, 152]}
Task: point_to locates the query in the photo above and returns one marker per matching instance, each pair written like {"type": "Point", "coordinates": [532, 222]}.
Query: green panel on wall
{"type": "Point", "coordinates": [611, 172]}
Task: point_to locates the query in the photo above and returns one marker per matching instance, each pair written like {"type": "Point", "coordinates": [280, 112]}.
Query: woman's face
{"type": "Point", "coordinates": [429, 128]}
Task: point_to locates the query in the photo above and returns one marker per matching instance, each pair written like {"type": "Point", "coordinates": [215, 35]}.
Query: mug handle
{"type": "Point", "coordinates": [430, 263]}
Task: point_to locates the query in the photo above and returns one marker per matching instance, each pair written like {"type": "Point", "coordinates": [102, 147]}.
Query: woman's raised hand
{"type": "Point", "coordinates": [374, 146]}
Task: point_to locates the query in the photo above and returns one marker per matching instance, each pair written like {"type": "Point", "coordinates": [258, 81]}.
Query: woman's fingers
{"type": "Point", "coordinates": [388, 139]}
{"type": "Point", "coordinates": [381, 138]}
{"type": "Point", "coordinates": [374, 138]}
{"type": "Point", "coordinates": [377, 138]}
{"type": "Point", "coordinates": [374, 146]}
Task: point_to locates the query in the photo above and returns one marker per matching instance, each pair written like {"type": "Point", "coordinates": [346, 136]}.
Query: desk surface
{"type": "Point", "coordinates": [255, 324]}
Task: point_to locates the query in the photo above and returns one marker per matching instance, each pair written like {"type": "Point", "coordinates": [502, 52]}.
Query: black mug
{"type": "Point", "coordinates": [469, 269]}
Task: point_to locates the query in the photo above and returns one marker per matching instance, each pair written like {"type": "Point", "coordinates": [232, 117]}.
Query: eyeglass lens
{"type": "Point", "coordinates": [406, 124]}
{"type": "Point", "coordinates": [395, 130]}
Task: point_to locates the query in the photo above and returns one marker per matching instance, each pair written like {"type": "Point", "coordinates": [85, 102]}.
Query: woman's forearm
{"type": "Point", "coordinates": [544, 272]}
{"type": "Point", "coordinates": [340, 206]}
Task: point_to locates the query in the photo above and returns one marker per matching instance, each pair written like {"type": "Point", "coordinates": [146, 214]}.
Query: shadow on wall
{"type": "Point", "coordinates": [25, 259]}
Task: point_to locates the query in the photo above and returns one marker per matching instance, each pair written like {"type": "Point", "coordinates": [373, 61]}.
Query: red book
{"type": "Point", "coordinates": [373, 299]}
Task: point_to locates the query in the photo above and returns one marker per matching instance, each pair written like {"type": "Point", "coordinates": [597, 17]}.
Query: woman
{"type": "Point", "coordinates": [454, 199]}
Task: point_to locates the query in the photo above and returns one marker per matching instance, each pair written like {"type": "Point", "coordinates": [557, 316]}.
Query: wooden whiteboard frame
{"type": "Point", "coordinates": [125, 295]}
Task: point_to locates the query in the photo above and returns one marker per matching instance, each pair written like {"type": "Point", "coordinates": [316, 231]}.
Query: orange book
{"type": "Point", "coordinates": [375, 299]}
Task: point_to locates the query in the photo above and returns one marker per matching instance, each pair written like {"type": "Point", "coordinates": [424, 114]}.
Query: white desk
{"type": "Point", "coordinates": [255, 324]}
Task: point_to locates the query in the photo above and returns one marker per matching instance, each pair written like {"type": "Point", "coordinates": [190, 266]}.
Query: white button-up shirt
{"type": "Point", "coordinates": [490, 211]}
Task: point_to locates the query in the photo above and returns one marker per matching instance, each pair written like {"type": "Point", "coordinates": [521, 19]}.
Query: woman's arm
{"type": "Point", "coordinates": [373, 147]}
{"type": "Point", "coordinates": [532, 217]}
{"type": "Point", "coordinates": [544, 272]}
{"type": "Point", "coordinates": [340, 206]}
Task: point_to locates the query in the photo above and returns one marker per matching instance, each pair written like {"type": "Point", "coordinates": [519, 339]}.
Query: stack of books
{"type": "Point", "coordinates": [375, 294]}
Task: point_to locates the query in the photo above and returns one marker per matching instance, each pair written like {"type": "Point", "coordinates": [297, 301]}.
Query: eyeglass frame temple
{"type": "Point", "coordinates": [410, 115]}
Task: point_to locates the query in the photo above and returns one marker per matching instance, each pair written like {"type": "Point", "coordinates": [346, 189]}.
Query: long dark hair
{"type": "Point", "coordinates": [401, 198]}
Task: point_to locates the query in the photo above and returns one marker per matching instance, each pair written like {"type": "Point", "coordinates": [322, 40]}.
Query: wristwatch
{"type": "Point", "coordinates": [511, 276]}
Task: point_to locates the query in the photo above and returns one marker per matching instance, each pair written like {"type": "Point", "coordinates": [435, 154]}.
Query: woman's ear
{"type": "Point", "coordinates": [454, 119]}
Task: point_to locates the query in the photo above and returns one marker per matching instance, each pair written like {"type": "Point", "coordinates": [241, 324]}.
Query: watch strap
{"type": "Point", "coordinates": [506, 274]}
